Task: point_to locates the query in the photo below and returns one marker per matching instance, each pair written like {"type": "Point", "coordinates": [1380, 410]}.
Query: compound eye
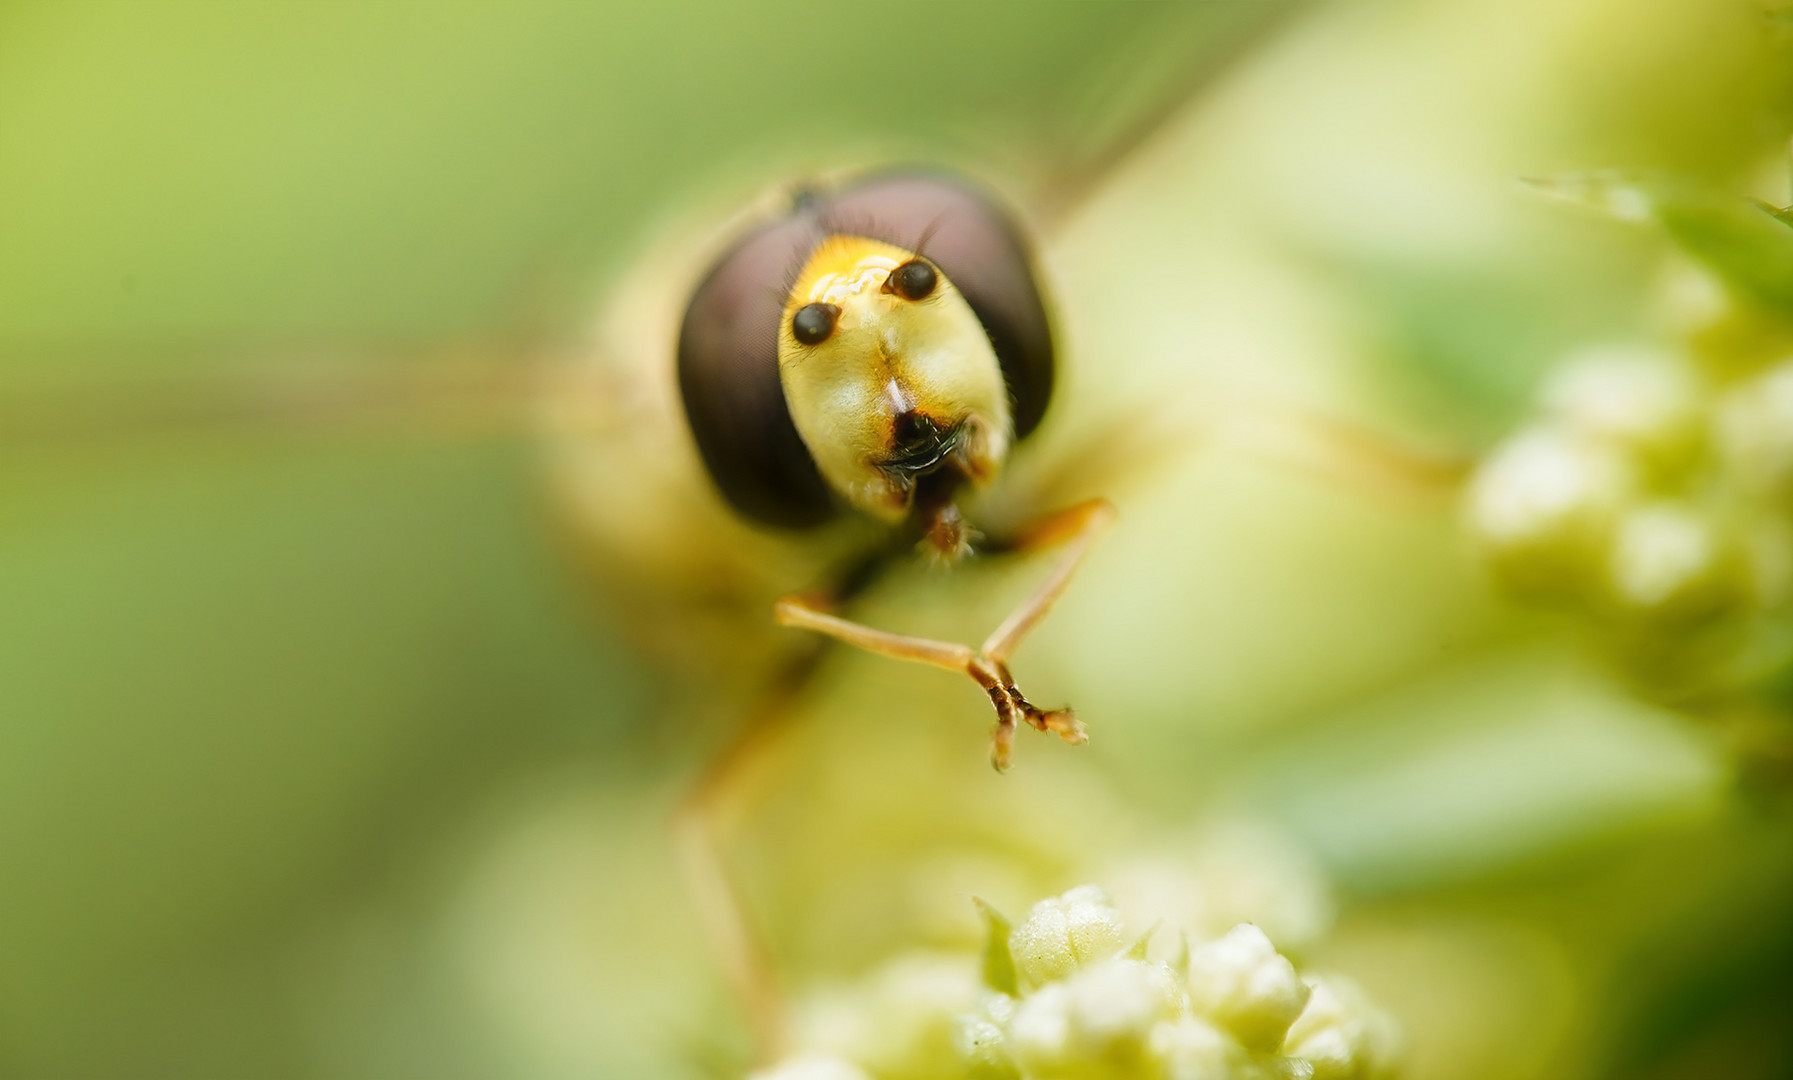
{"type": "Point", "coordinates": [914, 280]}
{"type": "Point", "coordinates": [813, 323]}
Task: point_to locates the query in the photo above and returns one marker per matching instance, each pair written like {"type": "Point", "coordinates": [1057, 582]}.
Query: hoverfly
{"type": "Point", "coordinates": [852, 373]}
{"type": "Point", "coordinates": [840, 395]}
{"type": "Point", "coordinates": [634, 492]}
{"type": "Point", "coordinates": [879, 350]}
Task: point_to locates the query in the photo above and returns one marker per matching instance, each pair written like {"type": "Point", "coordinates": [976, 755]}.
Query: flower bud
{"type": "Point", "coordinates": [1096, 1022]}
{"type": "Point", "coordinates": [1192, 1049]}
{"type": "Point", "coordinates": [1064, 933]}
{"type": "Point", "coordinates": [1755, 431]}
{"type": "Point", "coordinates": [1544, 503]}
{"type": "Point", "coordinates": [1243, 984]}
{"type": "Point", "coordinates": [1666, 559]}
{"type": "Point", "coordinates": [982, 1039]}
{"type": "Point", "coordinates": [1645, 401]}
{"type": "Point", "coordinates": [1342, 1034]}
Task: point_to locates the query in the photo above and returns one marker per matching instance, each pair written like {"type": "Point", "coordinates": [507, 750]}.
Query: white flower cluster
{"type": "Point", "coordinates": [1064, 997]}
{"type": "Point", "coordinates": [1649, 496]}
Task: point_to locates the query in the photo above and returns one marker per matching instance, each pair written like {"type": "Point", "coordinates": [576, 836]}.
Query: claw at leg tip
{"type": "Point", "coordinates": [1002, 744]}
{"type": "Point", "coordinates": [1068, 727]}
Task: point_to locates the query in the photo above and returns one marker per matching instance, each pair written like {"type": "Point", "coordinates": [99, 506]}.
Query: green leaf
{"type": "Point", "coordinates": [1613, 192]}
{"type": "Point", "coordinates": [1782, 214]}
{"type": "Point", "coordinates": [999, 962]}
{"type": "Point", "coordinates": [1753, 257]}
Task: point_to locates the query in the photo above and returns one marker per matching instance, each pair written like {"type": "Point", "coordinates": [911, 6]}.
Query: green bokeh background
{"type": "Point", "coordinates": [316, 758]}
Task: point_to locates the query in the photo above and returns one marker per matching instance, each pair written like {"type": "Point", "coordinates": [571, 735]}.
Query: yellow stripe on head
{"type": "Point", "coordinates": [884, 387]}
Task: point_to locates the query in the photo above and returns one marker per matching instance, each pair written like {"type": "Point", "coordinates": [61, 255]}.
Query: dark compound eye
{"type": "Point", "coordinates": [813, 323]}
{"type": "Point", "coordinates": [914, 280]}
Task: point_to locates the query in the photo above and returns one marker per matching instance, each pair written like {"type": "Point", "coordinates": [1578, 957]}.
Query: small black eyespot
{"type": "Point", "coordinates": [914, 280]}
{"type": "Point", "coordinates": [813, 323]}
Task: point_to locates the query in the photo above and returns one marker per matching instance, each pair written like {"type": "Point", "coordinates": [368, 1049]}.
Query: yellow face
{"type": "Point", "coordinates": [889, 375]}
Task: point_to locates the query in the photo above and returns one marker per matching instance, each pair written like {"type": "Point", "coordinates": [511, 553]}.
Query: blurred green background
{"type": "Point", "coordinates": [318, 758]}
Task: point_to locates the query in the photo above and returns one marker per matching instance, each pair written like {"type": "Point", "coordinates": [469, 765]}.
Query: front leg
{"type": "Point", "coordinates": [988, 665]}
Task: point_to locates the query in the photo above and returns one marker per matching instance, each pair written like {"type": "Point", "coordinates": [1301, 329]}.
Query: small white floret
{"type": "Point", "coordinates": [1064, 933]}
{"type": "Point", "coordinates": [1755, 430]}
{"type": "Point", "coordinates": [1244, 985]}
{"type": "Point", "coordinates": [1662, 553]}
{"type": "Point", "coordinates": [1639, 398]}
{"type": "Point", "coordinates": [1104, 1013]}
{"type": "Point", "coordinates": [1341, 1034]}
{"type": "Point", "coordinates": [1542, 505]}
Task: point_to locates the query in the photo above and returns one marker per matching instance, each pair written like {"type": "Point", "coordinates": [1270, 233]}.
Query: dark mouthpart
{"type": "Point", "coordinates": [922, 444]}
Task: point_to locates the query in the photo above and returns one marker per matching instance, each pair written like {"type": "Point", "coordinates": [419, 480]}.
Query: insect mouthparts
{"type": "Point", "coordinates": [921, 444]}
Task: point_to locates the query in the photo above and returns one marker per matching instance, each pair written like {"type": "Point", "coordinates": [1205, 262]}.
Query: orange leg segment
{"type": "Point", "coordinates": [1077, 527]}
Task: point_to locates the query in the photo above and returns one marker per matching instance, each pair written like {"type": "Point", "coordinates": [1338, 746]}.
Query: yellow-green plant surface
{"type": "Point", "coordinates": [341, 718]}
